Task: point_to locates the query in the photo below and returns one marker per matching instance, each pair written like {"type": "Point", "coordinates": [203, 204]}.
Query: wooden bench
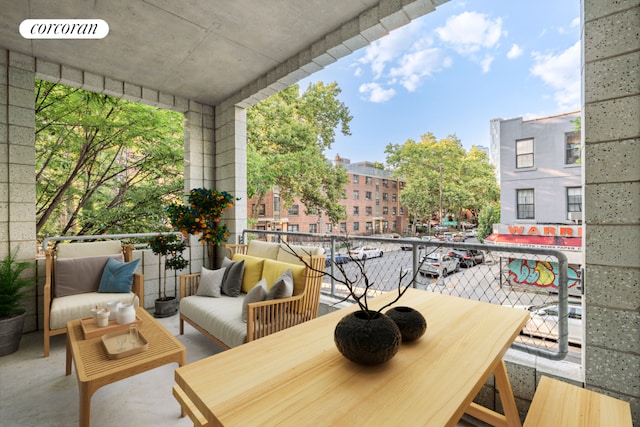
{"type": "Point", "coordinates": [560, 404]}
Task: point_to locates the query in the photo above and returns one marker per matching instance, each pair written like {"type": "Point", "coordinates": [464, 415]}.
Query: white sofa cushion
{"type": "Point", "coordinates": [79, 306]}
{"type": "Point", "coordinates": [81, 249]}
{"type": "Point", "coordinates": [221, 317]}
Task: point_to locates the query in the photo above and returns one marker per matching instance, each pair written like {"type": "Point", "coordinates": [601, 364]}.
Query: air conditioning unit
{"type": "Point", "coordinates": [575, 216]}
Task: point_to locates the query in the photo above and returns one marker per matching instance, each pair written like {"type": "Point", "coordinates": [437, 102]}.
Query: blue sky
{"type": "Point", "coordinates": [455, 69]}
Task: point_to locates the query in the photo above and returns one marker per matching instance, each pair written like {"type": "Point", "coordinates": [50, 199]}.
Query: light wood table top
{"type": "Point", "coordinates": [94, 369]}
{"type": "Point", "coordinates": [297, 377]}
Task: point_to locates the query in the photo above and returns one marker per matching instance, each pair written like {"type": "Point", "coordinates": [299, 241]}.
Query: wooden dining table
{"type": "Point", "coordinates": [297, 377]}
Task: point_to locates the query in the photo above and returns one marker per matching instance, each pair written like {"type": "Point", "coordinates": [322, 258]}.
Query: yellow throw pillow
{"type": "Point", "coordinates": [274, 269]}
{"type": "Point", "coordinates": [252, 270]}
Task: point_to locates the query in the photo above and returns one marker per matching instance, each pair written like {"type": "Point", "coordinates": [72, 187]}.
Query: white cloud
{"type": "Point", "coordinates": [575, 22]}
{"type": "Point", "coordinates": [486, 63]}
{"type": "Point", "coordinates": [514, 52]}
{"type": "Point", "coordinates": [387, 49]}
{"type": "Point", "coordinates": [414, 66]}
{"type": "Point", "coordinates": [376, 93]}
{"type": "Point", "coordinates": [562, 73]}
{"type": "Point", "coordinates": [468, 32]}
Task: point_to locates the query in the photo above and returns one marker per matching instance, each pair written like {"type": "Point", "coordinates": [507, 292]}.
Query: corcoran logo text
{"type": "Point", "coordinates": [64, 29]}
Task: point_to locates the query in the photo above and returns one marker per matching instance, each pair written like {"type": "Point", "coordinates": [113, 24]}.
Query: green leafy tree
{"type": "Point", "coordinates": [103, 165]}
{"type": "Point", "coordinates": [287, 134]}
{"type": "Point", "coordinates": [489, 215]}
{"type": "Point", "coordinates": [468, 181]}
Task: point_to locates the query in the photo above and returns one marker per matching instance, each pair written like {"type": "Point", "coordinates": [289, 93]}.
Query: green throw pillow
{"type": "Point", "coordinates": [117, 276]}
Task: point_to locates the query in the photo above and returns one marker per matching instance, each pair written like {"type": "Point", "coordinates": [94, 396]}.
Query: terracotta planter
{"type": "Point", "coordinates": [367, 341]}
{"type": "Point", "coordinates": [11, 333]}
{"type": "Point", "coordinates": [411, 323]}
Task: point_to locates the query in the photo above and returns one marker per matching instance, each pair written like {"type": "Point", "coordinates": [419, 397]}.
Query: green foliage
{"type": "Point", "coordinates": [201, 216]}
{"type": "Point", "coordinates": [287, 134]}
{"type": "Point", "coordinates": [12, 285]}
{"type": "Point", "coordinates": [171, 247]}
{"type": "Point", "coordinates": [490, 215]}
{"type": "Point", "coordinates": [103, 165]}
{"type": "Point", "coordinates": [468, 180]}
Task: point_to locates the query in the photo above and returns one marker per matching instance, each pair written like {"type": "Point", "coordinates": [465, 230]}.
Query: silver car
{"type": "Point", "coordinates": [437, 264]}
{"type": "Point", "coordinates": [544, 322]}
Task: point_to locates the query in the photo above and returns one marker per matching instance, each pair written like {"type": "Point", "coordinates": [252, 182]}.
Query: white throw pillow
{"type": "Point", "coordinates": [256, 294]}
{"type": "Point", "coordinates": [210, 282]}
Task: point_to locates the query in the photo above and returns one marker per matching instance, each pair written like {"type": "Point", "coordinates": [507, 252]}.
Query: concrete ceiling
{"type": "Point", "coordinates": [207, 50]}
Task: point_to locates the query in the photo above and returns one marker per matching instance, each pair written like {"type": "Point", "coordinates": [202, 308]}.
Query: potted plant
{"type": "Point", "coordinates": [368, 336]}
{"type": "Point", "coordinates": [201, 217]}
{"type": "Point", "coordinates": [12, 287]}
{"type": "Point", "coordinates": [169, 247]}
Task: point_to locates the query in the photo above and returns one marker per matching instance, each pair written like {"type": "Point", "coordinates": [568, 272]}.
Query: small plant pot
{"type": "Point", "coordinates": [367, 338]}
{"type": "Point", "coordinates": [165, 307]}
{"type": "Point", "coordinates": [411, 322]}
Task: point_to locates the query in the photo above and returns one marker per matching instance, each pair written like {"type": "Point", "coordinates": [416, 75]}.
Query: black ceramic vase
{"type": "Point", "coordinates": [367, 339]}
{"type": "Point", "coordinates": [411, 323]}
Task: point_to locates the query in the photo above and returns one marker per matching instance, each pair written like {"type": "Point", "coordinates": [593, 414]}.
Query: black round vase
{"type": "Point", "coordinates": [411, 323]}
{"type": "Point", "coordinates": [367, 338]}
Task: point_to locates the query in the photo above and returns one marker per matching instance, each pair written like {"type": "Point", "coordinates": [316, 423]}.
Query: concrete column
{"type": "Point", "coordinates": [231, 163]}
{"type": "Point", "coordinates": [17, 162]}
{"type": "Point", "coordinates": [611, 124]}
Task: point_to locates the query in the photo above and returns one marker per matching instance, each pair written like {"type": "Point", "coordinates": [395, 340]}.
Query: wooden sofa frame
{"type": "Point", "coordinates": [50, 254]}
{"type": "Point", "coordinates": [275, 315]}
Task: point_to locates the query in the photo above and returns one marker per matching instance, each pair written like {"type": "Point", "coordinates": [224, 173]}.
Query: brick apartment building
{"type": "Point", "coordinates": [372, 205]}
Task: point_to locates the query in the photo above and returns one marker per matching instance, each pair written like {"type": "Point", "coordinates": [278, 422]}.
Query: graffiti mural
{"type": "Point", "coordinates": [542, 274]}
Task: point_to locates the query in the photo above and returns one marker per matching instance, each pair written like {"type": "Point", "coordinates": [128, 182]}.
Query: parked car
{"type": "Point", "coordinates": [364, 252]}
{"type": "Point", "coordinates": [337, 258]}
{"type": "Point", "coordinates": [409, 246]}
{"type": "Point", "coordinates": [439, 227]}
{"type": "Point", "coordinates": [438, 264]}
{"type": "Point", "coordinates": [468, 257]}
{"type": "Point", "coordinates": [544, 322]}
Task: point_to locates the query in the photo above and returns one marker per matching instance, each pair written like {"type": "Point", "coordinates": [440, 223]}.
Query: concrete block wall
{"type": "Point", "coordinates": [611, 128]}
{"type": "Point", "coordinates": [17, 178]}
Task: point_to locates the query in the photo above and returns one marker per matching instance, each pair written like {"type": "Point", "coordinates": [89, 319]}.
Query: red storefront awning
{"type": "Point", "coordinates": [521, 239]}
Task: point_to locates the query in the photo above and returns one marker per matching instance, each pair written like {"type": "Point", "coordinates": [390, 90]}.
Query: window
{"type": "Point", "coordinates": [401, 211]}
{"type": "Point", "coordinates": [262, 210]}
{"type": "Point", "coordinates": [367, 195]}
{"type": "Point", "coordinates": [368, 210]}
{"type": "Point", "coordinates": [394, 184]}
{"type": "Point", "coordinates": [368, 180]}
{"type": "Point", "coordinates": [293, 227]}
{"type": "Point", "coordinates": [524, 153]}
{"type": "Point", "coordinates": [385, 183]}
{"type": "Point", "coordinates": [294, 210]}
{"type": "Point", "coordinates": [385, 197]}
{"type": "Point", "coordinates": [394, 211]}
{"type": "Point", "coordinates": [574, 199]}
{"type": "Point", "coordinates": [385, 210]}
{"type": "Point", "coordinates": [394, 197]}
{"type": "Point", "coordinates": [356, 194]}
{"type": "Point", "coordinates": [572, 147]}
{"type": "Point", "coordinates": [328, 227]}
{"type": "Point", "coordinates": [356, 210]}
{"type": "Point", "coordinates": [525, 204]}
{"type": "Point", "coordinates": [356, 226]}
{"type": "Point", "coordinates": [356, 179]}
{"type": "Point", "coordinates": [343, 227]}
{"type": "Point", "coordinates": [369, 226]}
{"type": "Point", "coordinates": [313, 228]}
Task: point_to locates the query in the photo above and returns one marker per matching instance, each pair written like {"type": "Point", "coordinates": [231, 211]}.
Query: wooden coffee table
{"type": "Point", "coordinates": [94, 369]}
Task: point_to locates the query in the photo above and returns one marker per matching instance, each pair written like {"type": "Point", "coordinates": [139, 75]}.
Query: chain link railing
{"type": "Point", "coordinates": [535, 279]}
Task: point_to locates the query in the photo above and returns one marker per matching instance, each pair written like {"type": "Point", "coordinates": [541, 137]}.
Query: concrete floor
{"type": "Point", "coordinates": [34, 390]}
